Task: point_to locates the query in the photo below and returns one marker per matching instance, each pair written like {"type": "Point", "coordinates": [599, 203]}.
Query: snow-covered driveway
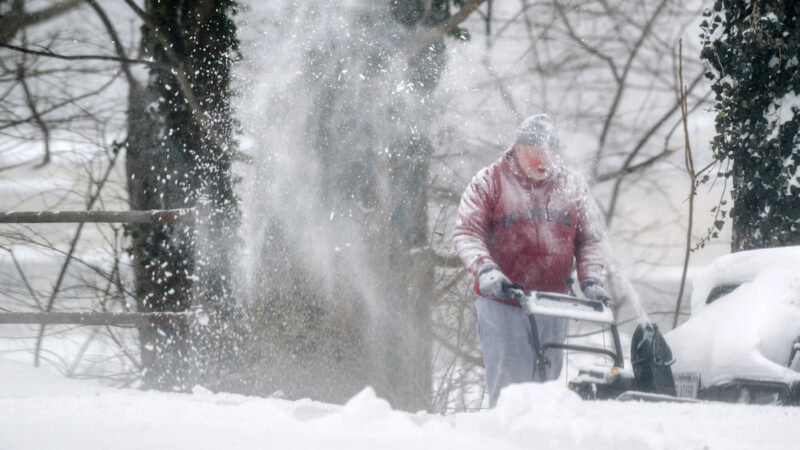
{"type": "Point", "coordinates": [40, 410]}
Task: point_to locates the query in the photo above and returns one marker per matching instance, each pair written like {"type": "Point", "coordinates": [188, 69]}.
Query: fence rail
{"type": "Point", "coordinates": [132, 319]}
{"type": "Point", "coordinates": [153, 216]}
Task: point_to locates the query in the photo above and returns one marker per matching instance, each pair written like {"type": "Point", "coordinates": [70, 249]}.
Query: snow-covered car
{"type": "Point", "coordinates": [741, 342]}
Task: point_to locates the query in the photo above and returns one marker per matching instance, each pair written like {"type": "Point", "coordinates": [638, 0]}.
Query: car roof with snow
{"type": "Point", "coordinates": [729, 272]}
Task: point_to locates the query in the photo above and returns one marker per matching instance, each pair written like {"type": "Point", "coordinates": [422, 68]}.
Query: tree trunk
{"type": "Point", "coordinates": [178, 153]}
{"type": "Point", "coordinates": [752, 62]}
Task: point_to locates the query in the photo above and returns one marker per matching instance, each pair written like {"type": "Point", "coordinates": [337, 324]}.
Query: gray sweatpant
{"type": "Point", "coordinates": [506, 341]}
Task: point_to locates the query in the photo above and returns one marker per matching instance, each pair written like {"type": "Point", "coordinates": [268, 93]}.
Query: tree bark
{"type": "Point", "coordinates": [178, 156]}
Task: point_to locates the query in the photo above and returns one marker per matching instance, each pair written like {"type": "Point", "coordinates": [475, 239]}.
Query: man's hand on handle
{"type": "Point", "coordinates": [494, 284]}
{"type": "Point", "coordinates": [593, 290]}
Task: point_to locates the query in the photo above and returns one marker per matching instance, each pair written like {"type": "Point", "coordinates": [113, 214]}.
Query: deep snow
{"type": "Point", "coordinates": [41, 410]}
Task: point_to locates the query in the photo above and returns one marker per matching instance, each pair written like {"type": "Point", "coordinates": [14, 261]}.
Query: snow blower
{"type": "Point", "coordinates": [651, 378]}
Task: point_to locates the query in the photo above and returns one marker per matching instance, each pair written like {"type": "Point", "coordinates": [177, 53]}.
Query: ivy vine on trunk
{"type": "Point", "coordinates": [179, 155]}
{"type": "Point", "coordinates": [752, 51]}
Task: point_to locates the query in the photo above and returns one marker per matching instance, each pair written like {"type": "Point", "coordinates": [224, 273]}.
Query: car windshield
{"type": "Point", "coordinates": [719, 291]}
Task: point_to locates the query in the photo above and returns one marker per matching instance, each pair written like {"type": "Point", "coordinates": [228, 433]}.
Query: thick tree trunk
{"type": "Point", "coordinates": [752, 62]}
{"type": "Point", "coordinates": [161, 264]}
{"type": "Point", "coordinates": [178, 152]}
{"type": "Point", "coordinates": [742, 237]}
{"type": "Point", "coordinates": [760, 218]}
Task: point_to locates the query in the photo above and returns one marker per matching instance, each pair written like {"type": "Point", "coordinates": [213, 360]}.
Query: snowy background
{"type": "Point", "coordinates": [490, 83]}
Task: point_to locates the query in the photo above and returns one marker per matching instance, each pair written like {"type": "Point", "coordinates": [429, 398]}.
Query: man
{"type": "Point", "coordinates": [521, 223]}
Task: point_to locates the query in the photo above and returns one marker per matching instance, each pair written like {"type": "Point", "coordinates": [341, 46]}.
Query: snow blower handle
{"type": "Point", "coordinates": [493, 283]}
{"type": "Point", "coordinates": [596, 305]}
{"type": "Point", "coordinates": [566, 306]}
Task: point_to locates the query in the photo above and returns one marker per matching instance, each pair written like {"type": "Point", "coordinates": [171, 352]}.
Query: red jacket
{"type": "Point", "coordinates": [532, 230]}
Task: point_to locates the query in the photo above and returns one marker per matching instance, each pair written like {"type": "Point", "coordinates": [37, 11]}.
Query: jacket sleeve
{"type": "Point", "coordinates": [591, 244]}
{"type": "Point", "coordinates": [474, 221]}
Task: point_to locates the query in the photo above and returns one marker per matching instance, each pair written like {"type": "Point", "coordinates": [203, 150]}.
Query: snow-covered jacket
{"type": "Point", "coordinates": [530, 229]}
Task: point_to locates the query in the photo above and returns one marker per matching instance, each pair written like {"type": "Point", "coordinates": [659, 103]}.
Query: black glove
{"type": "Point", "coordinates": [494, 284]}
{"type": "Point", "coordinates": [593, 290]}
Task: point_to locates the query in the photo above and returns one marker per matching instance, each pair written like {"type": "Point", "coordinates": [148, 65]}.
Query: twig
{"type": "Point", "coordinates": [56, 106]}
{"type": "Point", "coordinates": [97, 270]}
{"type": "Point", "coordinates": [35, 114]}
{"type": "Point", "coordinates": [639, 146]}
{"type": "Point", "coordinates": [457, 351]}
{"type": "Point", "coordinates": [693, 180]}
{"type": "Point", "coordinates": [123, 59]}
{"type": "Point", "coordinates": [621, 83]}
{"type": "Point", "coordinates": [24, 278]}
{"type": "Point", "coordinates": [81, 352]}
{"type": "Point", "coordinates": [504, 94]}
{"type": "Point", "coordinates": [73, 244]}
{"type": "Point", "coordinates": [627, 169]}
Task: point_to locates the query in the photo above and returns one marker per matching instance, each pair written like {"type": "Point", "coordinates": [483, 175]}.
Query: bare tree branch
{"type": "Point", "coordinates": [18, 19]}
{"type": "Point", "coordinates": [28, 286]}
{"type": "Point", "coordinates": [504, 94]}
{"type": "Point", "coordinates": [50, 54]}
{"type": "Point", "coordinates": [72, 246]}
{"type": "Point", "coordinates": [474, 360]}
{"type": "Point", "coordinates": [689, 161]}
{"type": "Point", "coordinates": [621, 83]}
{"type": "Point", "coordinates": [626, 169]}
{"type": "Point", "coordinates": [122, 57]}
{"type": "Point", "coordinates": [582, 42]}
{"type": "Point", "coordinates": [35, 114]}
{"type": "Point", "coordinates": [58, 105]}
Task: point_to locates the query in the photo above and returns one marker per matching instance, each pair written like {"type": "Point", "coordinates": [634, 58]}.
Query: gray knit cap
{"type": "Point", "coordinates": [537, 131]}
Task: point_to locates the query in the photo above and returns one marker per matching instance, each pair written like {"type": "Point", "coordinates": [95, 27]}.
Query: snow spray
{"type": "Point", "coordinates": [622, 285]}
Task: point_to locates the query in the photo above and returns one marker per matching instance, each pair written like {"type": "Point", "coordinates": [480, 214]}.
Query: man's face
{"type": "Point", "coordinates": [535, 162]}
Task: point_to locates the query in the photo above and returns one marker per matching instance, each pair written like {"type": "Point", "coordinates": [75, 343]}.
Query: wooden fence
{"type": "Point", "coordinates": [133, 319]}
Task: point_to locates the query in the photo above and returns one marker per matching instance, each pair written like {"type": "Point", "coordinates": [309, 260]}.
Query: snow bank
{"type": "Point", "coordinates": [45, 411]}
{"type": "Point", "coordinates": [549, 416]}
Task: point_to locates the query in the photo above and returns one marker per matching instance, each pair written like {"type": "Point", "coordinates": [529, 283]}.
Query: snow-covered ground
{"type": "Point", "coordinates": [41, 410]}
